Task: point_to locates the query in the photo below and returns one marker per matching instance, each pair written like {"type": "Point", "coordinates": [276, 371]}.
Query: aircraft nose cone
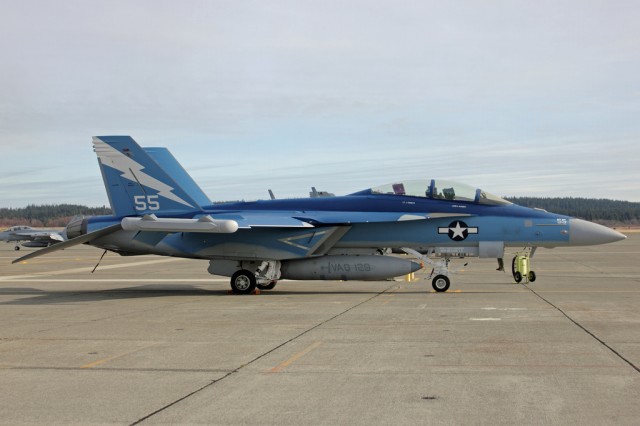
{"type": "Point", "coordinates": [583, 233]}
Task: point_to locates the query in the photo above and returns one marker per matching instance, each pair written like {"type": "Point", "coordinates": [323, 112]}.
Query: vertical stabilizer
{"type": "Point", "coordinates": [166, 160]}
{"type": "Point", "coordinates": [135, 183]}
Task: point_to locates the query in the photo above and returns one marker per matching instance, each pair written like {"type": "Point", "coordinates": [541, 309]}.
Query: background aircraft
{"type": "Point", "coordinates": [158, 209]}
{"type": "Point", "coordinates": [34, 237]}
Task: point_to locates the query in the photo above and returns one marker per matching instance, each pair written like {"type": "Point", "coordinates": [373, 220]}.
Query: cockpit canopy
{"type": "Point", "coordinates": [440, 190]}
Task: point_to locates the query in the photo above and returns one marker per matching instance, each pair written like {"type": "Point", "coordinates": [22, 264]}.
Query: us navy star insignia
{"type": "Point", "coordinates": [458, 230]}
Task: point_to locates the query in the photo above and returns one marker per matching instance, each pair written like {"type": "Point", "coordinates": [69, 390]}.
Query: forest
{"type": "Point", "coordinates": [47, 215]}
{"type": "Point", "coordinates": [607, 212]}
{"type": "Point", "coordinates": [604, 211]}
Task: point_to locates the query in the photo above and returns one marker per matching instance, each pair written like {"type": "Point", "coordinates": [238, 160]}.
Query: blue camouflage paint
{"type": "Point", "coordinates": [131, 197]}
{"type": "Point", "coordinates": [166, 160]}
{"type": "Point", "coordinates": [275, 229]}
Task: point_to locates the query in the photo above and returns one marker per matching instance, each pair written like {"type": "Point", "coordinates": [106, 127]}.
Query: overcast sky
{"type": "Point", "coordinates": [517, 97]}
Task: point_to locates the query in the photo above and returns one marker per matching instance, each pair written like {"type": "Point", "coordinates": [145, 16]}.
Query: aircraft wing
{"type": "Point", "coordinates": [305, 219]}
{"type": "Point", "coordinates": [344, 218]}
{"type": "Point", "coordinates": [230, 222]}
{"type": "Point", "coordinates": [310, 219]}
{"type": "Point", "coordinates": [72, 242]}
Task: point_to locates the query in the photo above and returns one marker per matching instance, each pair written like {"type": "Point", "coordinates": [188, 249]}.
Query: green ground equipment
{"type": "Point", "coordinates": [521, 268]}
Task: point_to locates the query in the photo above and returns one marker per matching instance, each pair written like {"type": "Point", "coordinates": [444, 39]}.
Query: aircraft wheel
{"type": "Point", "coordinates": [513, 267]}
{"type": "Point", "coordinates": [532, 276]}
{"type": "Point", "coordinates": [517, 276]}
{"type": "Point", "coordinates": [16, 248]}
{"type": "Point", "coordinates": [243, 282]}
{"type": "Point", "coordinates": [440, 283]}
{"type": "Point", "coordinates": [269, 286]}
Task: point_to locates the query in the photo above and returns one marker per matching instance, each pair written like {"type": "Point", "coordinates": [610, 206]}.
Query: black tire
{"type": "Point", "coordinates": [513, 267]}
{"type": "Point", "coordinates": [16, 248]}
{"type": "Point", "coordinates": [440, 283]}
{"type": "Point", "coordinates": [269, 286]}
{"type": "Point", "coordinates": [532, 276]}
{"type": "Point", "coordinates": [243, 282]}
{"type": "Point", "coordinates": [517, 276]}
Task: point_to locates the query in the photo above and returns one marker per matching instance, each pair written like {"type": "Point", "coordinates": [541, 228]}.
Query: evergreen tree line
{"type": "Point", "coordinates": [53, 215]}
{"type": "Point", "coordinates": [609, 212]}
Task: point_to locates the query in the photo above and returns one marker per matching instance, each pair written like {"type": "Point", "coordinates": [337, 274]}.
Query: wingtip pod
{"type": "Point", "coordinates": [206, 224]}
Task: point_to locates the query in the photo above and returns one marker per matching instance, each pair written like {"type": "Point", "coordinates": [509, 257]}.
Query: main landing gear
{"type": "Point", "coordinates": [269, 286]}
{"type": "Point", "coordinates": [243, 282]}
{"type": "Point", "coordinates": [441, 283]}
{"type": "Point", "coordinates": [521, 266]}
{"type": "Point", "coordinates": [440, 272]}
{"type": "Point", "coordinates": [265, 278]}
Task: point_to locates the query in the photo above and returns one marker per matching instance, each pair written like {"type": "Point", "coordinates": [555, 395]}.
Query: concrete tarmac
{"type": "Point", "coordinates": [159, 341]}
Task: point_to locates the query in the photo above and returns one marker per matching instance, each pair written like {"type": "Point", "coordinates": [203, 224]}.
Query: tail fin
{"type": "Point", "coordinates": [166, 160]}
{"type": "Point", "coordinates": [135, 183]}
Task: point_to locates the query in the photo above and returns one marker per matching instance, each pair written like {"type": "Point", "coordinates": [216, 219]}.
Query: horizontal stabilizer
{"type": "Point", "coordinates": [72, 242]}
{"type": "Point", "coordinates": [49, 237]}
{"type": "Point", "coordinates": [43, 235]}
{"type": "Point", "coordinates": [151, 223]}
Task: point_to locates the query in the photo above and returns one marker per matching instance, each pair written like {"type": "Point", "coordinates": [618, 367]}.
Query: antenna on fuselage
{"type": "Point", "coordinates": [273, 197]}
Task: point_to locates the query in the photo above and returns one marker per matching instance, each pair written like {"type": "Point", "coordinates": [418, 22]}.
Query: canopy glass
{"type": "Point", "coordinates": [440, 190]}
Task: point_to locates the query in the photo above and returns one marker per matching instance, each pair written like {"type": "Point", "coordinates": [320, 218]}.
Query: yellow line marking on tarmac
{"type": "Point", "coordinates": [111, 358]}
{"type": "Point", "coordinates": [294, 358]}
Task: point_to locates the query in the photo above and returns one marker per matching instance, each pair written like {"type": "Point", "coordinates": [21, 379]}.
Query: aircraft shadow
{"type": "Point", "coordinates": [35, 296]}
{"type": "Point", "coordinates": [44, 297]}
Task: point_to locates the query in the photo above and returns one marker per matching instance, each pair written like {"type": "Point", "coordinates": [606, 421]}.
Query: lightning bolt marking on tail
{"type": "Point", "coordinates": [133, 171]}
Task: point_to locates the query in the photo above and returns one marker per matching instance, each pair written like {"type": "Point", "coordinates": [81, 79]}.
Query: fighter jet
{"type": "Point", "coordinates": [33, 237]}
{"type": "Point", "coordinates": [159, 209]}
